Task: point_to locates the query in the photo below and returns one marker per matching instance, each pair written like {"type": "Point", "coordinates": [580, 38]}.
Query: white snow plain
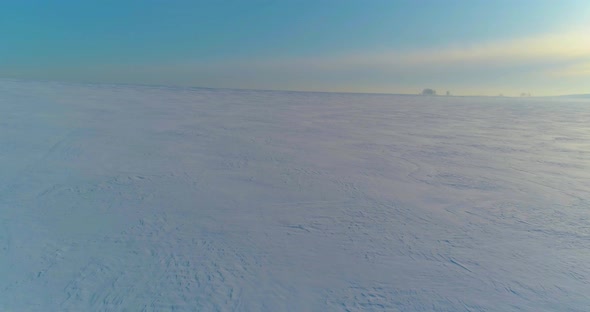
{"type": "Point", "coordinates": [134, 198]}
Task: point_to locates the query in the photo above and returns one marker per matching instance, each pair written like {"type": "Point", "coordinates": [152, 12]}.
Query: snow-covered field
{"type": "Point", "coordinates": [134, 198]}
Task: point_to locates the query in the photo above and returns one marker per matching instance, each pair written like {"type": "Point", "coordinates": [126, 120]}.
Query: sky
{"type": "Point", "coordinates": [473, 47]}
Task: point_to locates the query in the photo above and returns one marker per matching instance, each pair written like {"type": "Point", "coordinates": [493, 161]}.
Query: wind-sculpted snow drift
{"type": "Point", "coordinates": [133, 198]}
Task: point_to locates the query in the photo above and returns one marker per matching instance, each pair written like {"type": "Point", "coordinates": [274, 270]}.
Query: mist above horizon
{"type": "Point", "coordinates": [466, 47]}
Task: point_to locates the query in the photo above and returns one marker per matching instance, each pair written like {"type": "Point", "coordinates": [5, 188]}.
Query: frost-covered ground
{"type": "Point", "coordinates": [131, 198]}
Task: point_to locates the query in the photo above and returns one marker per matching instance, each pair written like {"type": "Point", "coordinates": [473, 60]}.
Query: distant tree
{"type": "Point", "coordinates": [428, 92]}
{"type": "Point", "coordinates": [448, 93]}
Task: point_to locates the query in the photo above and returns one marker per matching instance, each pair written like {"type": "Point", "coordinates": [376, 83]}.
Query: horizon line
{"type": "Point", "coordinates": [179, 86]}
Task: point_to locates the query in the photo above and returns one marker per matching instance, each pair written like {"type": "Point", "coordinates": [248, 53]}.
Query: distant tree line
{"type": "Point", "coordinates": [432, 92]}
{"type": "Point", "coordinates": [428, 91]}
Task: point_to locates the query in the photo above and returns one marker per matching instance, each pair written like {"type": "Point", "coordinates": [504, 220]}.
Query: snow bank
{"type": "Point", "coordinates": [136, 198]}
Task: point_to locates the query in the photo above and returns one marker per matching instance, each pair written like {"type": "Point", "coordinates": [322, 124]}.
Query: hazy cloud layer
{"type": "Point", "coordinates": [560, 62]}
{"type": "Point", "coordinates": [546, 49]}
{"type": "Point", "coordinates": [497, 64]}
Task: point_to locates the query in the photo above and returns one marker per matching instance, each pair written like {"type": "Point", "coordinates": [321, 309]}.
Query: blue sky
{"type": "Point", "coordinates": [467, 47]}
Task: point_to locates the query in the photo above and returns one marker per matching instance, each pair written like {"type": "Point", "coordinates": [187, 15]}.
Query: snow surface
{"type": "Point", "coordinates": [133, 198]}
